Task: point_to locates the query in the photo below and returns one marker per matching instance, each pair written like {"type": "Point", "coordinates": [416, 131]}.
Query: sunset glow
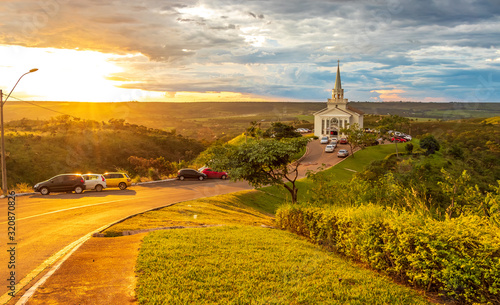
{"type": "Point", "coordinates": [249, 51]}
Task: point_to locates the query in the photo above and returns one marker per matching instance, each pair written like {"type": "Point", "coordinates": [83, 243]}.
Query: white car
{"type": "Point", "coordinates": [324, 140]}
{"type": "Point", "coordinates": [94, 182]}
{"type": "Point", "coordinates": [329, 148]}
{"type": "Point", "coordinates": [343, 153]}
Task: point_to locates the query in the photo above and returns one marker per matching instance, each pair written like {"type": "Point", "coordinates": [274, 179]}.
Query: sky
{"type": "Point", "coordinates": [250, 50]}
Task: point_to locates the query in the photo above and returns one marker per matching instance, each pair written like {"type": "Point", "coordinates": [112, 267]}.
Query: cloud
{"type": "Point", "coordinates": [390, 95]}
{"type": "Point", "coordinates": [279, 48]}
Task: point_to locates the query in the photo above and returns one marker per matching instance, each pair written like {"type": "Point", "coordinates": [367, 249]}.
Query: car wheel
{"type": "Point", "coordinates": [122, 185]}
{"type": "Point", "coordinates": [200, 178]}
{"type": "Point", "coordinates": [78, 190]}
{"type": "Point", "coordinates": [44, 191]}
{"type": "Point", "coordinates": [224, 177]}
{"type": "Point", "coordinates": [181, 177]}
{"type": "Point", "coordinates": [98, 188]}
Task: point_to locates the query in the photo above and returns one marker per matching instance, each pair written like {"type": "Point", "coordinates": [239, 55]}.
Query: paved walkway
{"type": "Point", "coordinates": [102, 271]}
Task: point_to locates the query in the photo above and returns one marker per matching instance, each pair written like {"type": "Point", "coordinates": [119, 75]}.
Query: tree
{"type": "Point", "coordinates": [394, 122]}
{"type": "Point", "coordinates": [279, 130]}
{"type": "Point", "coordinates": [356, 137]}
{"type": "Point", "coordinates": [254, 129]}
{"type": "Point", "coordinates": [262, 162]}
{"type": "Point", "coordinates": [430, 144]}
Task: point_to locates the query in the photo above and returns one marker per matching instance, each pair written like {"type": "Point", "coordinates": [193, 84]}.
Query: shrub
{"type": "Point", "coordinates": [458, 257]}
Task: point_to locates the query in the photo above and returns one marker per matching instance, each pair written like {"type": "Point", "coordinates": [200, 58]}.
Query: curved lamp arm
{"type": "Point", "coordinates": [30, 71]}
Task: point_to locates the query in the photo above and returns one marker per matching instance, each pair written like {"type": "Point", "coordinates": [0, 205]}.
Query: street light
{"type": "Point", "coordinates": [2, 102]}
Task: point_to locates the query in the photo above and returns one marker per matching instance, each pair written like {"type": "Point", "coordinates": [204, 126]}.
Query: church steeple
{"type": "Point", "coordinates": [338, 92]}
{"type": "Point", "coordinates": [338, 84]}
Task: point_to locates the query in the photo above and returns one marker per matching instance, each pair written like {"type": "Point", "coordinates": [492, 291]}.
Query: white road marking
{"type": "Point", "coordinates": [68, 209]}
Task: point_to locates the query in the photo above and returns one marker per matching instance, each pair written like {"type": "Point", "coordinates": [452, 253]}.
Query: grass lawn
{"type": "Point", "coordinates": [252, 265]}
{"type": "Point", "coordinates": [245, 208]}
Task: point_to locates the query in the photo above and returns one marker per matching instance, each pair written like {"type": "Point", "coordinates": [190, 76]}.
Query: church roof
{"type": "Point", "coordinates": [338, 111]}
{"type": "Point", "coordinates": [354, 109]}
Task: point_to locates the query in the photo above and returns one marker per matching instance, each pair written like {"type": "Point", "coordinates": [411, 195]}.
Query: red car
{"type": "Point", "coordinates": [343, 141]}
{"type": "Point", "coordinates": [398, 139]}
{"type": "Point", "coordinates": [213, 174]}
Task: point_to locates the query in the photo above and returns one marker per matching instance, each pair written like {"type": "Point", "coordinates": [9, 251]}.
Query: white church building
{"type": "Point", "coordinates": [338, 113]}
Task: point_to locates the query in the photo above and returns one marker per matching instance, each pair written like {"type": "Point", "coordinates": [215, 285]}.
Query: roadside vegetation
{"type": "Point", "coordinates": [38, 150]}
{"type": "Point", "coordinates": [428, 217]}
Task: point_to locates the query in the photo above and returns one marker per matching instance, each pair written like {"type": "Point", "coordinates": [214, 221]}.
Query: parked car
{"type": "Point", "coordinates": [94, 182]}
{"type": "Point", "coordinates": [324, 140]}
{"type": "Point", "coordinates": [116, 179]}
{"type": "Point", "coordinates": [213, 174]}
{"type": "Point", "coordinates": [343, 153]}
{"type": "Point", "coordinates": [398, 139]}
{"type": "Point", "coordinates": [61, 183]}
{"type": "Point", "coordinates": [190, 173]}
{"type": "Point", "coordinates": [329, 148]}
{"type": "Point", "coordinates": [343, 141]}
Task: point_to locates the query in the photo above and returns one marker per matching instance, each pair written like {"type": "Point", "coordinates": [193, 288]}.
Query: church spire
{"type": "Point", "coordinates": [338, 92]}
{"type": "Point", "coordinates": [338, 84]}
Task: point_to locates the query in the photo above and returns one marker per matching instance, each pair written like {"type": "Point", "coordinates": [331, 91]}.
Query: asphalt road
{"type": "Point", "coordinates": [47, 224]}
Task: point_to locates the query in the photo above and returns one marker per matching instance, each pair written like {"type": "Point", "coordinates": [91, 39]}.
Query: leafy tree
{"type": "Point", "coordinates": [356, 137]}
{"type": "Point", "coordinates": [260, 162]}
{"type": "Point", "coordinates": [254, 130]}
{"type": "Point", "coordinates": [430, 144]}
{"type": "Point", "coordinates": [279, 130]}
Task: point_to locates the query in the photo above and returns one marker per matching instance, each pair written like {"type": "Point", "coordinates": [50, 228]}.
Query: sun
{"type": "Point", "coordinates": [63, 75]}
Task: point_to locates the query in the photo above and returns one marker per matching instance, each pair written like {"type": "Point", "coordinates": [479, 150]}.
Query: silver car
{"type": "Point", "coordinates": [329, 148]}
{"type": "Point", "coordinates": [343, 153]}
{"type": "Point", "coordinates": [94, 182]}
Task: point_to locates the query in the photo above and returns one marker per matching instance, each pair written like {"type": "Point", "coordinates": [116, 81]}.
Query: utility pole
{"type": "Point", "coordinates": [4, 162]}
{"type": "Point", "coordinates": [4, 166]}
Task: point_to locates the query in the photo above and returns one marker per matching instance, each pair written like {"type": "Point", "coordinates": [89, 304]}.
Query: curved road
{"type": "Point", "coordinates": [47, 224]}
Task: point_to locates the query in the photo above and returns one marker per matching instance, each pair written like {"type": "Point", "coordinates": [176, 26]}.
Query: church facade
{"type": "Point", "coordinates": [338, 113]}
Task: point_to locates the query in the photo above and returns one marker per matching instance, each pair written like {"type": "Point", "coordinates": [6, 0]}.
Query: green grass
{"type": "Point", "coordinates": [250, 265]}
{"type": "Point", "coordinates": [242, 208]}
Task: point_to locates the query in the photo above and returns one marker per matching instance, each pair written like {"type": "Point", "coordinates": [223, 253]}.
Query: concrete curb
{"type": "Point", "coordinates": [156, 181]}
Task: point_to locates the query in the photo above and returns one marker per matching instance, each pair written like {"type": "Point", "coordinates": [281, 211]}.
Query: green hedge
{"type": "Point", "coordinates": [459, 258]}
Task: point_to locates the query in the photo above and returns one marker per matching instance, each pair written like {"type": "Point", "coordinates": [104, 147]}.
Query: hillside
{"type": "Point", "coordinates": [37, 150]}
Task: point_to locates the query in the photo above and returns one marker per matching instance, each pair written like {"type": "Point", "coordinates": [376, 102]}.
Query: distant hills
{"type": "Point", "coordinates": [213, 120]}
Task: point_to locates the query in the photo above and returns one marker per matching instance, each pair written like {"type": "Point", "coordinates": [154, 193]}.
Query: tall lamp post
{"type": "Point", "coordinates": [2, 102]}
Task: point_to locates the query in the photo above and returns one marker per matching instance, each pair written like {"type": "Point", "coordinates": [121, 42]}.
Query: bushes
{"type": "Point", "coordinates": [458, 257]}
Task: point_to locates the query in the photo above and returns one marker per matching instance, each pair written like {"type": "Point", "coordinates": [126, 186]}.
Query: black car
{"type": "Point", "coordinates": [190, 173]}
{"type": "Point", "coordinates": [61, 183]}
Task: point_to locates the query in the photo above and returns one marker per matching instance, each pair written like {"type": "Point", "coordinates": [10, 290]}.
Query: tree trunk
{"type": "Point", "coordinates": [293, 191]}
